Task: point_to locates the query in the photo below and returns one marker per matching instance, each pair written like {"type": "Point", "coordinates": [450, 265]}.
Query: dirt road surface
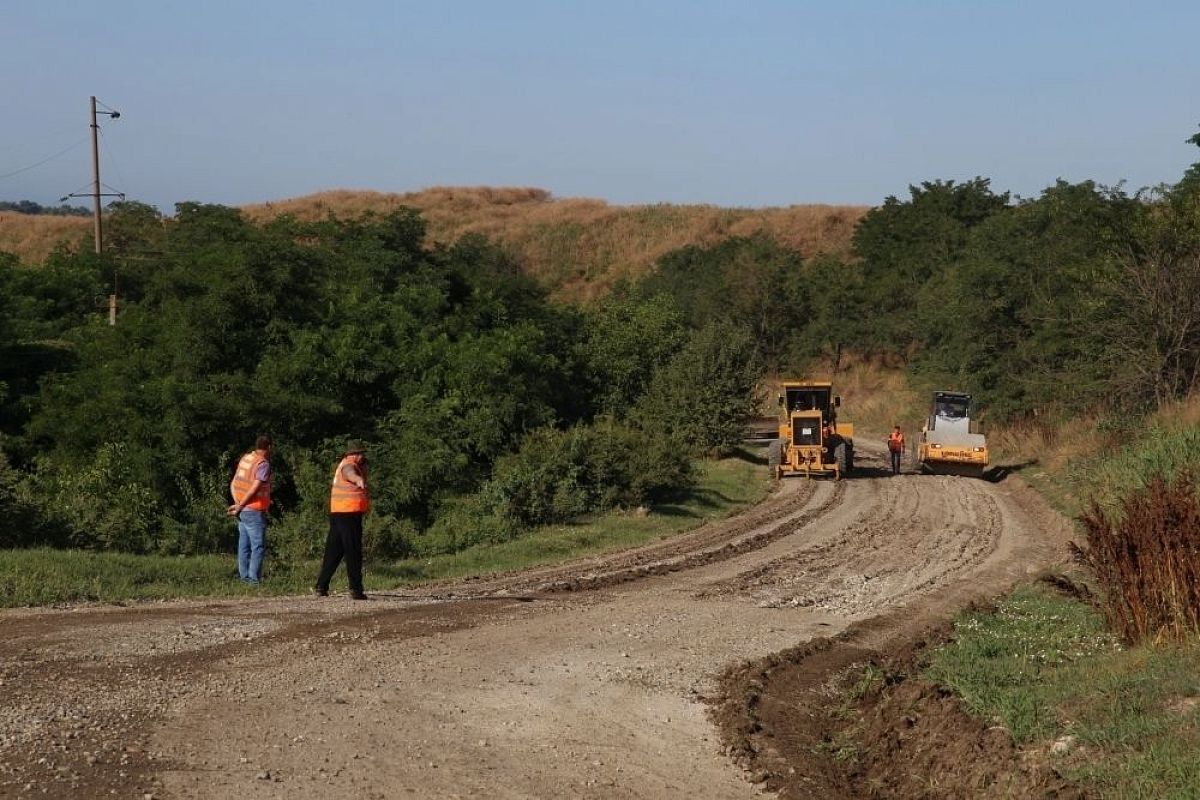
{"type": "Point", "coordinates": [592, 679]}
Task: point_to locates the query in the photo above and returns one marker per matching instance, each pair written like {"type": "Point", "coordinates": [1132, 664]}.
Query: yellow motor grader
{"type": "Point", "coordinates": [951, 442]}
{"type": "Point", "coordinates": [811, 440]}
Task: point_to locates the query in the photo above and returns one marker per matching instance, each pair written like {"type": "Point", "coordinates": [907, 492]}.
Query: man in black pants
{"type": "Point", "coordinates": [348, 502]}
{"type": "Point", "coordinates": [895, 443]}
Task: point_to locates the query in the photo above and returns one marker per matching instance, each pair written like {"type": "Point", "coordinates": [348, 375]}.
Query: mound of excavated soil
{"type": "Point", "coordinates": [917, 741]}
{"type": "Point", "coordinates": [787, 720]}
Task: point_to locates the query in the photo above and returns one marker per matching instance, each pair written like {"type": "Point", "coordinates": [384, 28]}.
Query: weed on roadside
{"type": "Point", "coordinates": [1144, 556]}
{"type": "Point", "coordinates": [842, 747]}
{"type": "Point", "coordinates": [871, 679]}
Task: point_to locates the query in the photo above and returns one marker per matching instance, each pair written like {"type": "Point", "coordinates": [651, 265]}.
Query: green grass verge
{"type": "Point", "coordinates": [1057, 489]}
{"type": "Point", "coordinates": [1160, 451]}
{"type": "Point", "coordinates": [1043, 665]}
{"type": "Point", "coordinates": [44, 576]}
{"type": "Point", "coordinates": [1112, 475]}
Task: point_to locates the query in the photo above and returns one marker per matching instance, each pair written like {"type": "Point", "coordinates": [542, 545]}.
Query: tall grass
{"type": "Point", "coordinates": [1160, 453]}
{"type": "Point", "coordinates": [32, 237]}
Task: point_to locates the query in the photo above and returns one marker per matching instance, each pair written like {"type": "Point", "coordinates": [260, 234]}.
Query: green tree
{"type": "Point", "coordinates": [1191, 177]}
{"type": "Point", "coordinates": [752, 280]}
{"type": "Point", "coordinates": [906, 245]}
{"type": "Point", "coordinates": [1152, 353]}
{"type": "Point", "coordinates": [702, 398]}
{"type": "Point", "coordinates": [1018, 316]}
{"type": "Point", "coordinates": [625, 340]}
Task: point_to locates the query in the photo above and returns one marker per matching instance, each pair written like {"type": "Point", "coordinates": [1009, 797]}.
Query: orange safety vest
{"type": "Point", "coordinates": [896, 442]}
{"type": "Point", "coordinates": [346, 497]}
{"type": "Point", "coordinates": [243, 479]}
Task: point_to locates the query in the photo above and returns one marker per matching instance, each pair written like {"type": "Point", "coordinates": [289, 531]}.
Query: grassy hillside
{"type": "Point", "coordinates": [33, 237]}
{"type": "Point", "coordinates": [580, 247]}
{"type": "Point", "coordinates": [577, 247]}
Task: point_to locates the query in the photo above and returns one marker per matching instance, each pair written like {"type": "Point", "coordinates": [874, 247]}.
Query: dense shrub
{"type": "Point", "coordinates": [558, 475]}
{"type": "Point", "coordinates": [464, 522]}
{"type": "Point", "coordinates": [25, 523]}
{"type": "Point", "coordinates": [702, 398]}
{"type": "Point", "coordinates": [102, 505]}
{"type": "Point", "coordinates": [199, 523]}
{"type": "Point", "coordinates": [386, 536]}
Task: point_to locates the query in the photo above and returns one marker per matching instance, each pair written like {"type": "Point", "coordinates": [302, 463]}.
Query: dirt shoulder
{"type": "Point", "coordinates": [593, 679]}
{"type": "Point", "coordinates": [787, 720]}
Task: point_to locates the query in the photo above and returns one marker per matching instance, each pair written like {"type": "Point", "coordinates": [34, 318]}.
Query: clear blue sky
{"type": "Point", "coordinates": [735, 103]}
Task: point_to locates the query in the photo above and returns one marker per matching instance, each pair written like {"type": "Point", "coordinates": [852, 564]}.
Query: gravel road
{"type": "Point", "coordinates": [583, 680]}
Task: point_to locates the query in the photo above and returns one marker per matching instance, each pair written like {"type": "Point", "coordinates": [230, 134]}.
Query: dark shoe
{"type": "Point", "coordinates": [358, 596]}
{"type": "Point", "coordinates": [319, 592]}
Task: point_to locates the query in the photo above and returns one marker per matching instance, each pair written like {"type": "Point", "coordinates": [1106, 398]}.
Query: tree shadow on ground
{"type": "Point", "coordinates": [752, 455]}
{"type": "Point", "coordinates": [1000, 472]}
{"type": "Point", "coordinates": [863, 471]}
{"type": "Point", "coordinates": [705, 498]}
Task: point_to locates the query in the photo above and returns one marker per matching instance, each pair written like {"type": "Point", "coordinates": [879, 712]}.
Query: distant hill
{"type": "Point", "coordinates": [32, 237]}
{"type": "Point", "coordinates": [30, 207]}
{"type": "Point", "coordinates": [577, 247]}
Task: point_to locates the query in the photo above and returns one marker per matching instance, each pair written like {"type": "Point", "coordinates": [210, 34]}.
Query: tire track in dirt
{"type": "Point", "coordinates": [152, 653]}
{"type": "Point", "coordinates": [717, 540]}
{"type": "Point", "coordinates": [756, 539]}
{"type": "Point", "coordinates": [581, 691]}
{"type": "Point", "coordinates": [777, 714]}
{"type": "Point", "coordinates": [953, 528]}
{"type": "Point", "coordinates": [77, 715]}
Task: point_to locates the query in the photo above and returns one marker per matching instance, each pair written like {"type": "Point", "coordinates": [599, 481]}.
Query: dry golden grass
{"type": "Point", "coordinates": [1182, 414]}
{"type": "Point", "coordinates": [578, 247]}
{"type": "Point", "coordinates": [875, 396]}
{"type": "Point", "coordinates": [33, 237]}
{"type": "Point", "coordinates": [1055, 447]}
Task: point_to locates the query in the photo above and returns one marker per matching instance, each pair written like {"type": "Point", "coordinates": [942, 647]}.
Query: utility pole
{"type": "Point", "coordinates": [96, 194]}
{"type": "Point", "coordinates": [96, 183]}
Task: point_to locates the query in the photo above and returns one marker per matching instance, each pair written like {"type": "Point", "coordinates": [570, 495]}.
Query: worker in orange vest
{"type": "Point", "coordinates": [349, 501]}
{"type": "Point", "coordinates": [251, 492]}
{"type": "Point", "coordinates": [895, 443]}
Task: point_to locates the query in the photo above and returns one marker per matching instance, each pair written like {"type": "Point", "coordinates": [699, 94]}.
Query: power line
{"type": "Point", "coordinates": [62, 152]}
{"type": "Point", "coordinates": [112, 159]}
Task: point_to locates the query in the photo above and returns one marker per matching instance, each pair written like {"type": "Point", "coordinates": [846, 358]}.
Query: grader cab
{"type": "Point", "coordinates": [811, 440]}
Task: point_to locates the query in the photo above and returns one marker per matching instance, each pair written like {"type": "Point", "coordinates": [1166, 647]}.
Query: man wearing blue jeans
{"type": "Point", "coordinates": [251, 491]}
